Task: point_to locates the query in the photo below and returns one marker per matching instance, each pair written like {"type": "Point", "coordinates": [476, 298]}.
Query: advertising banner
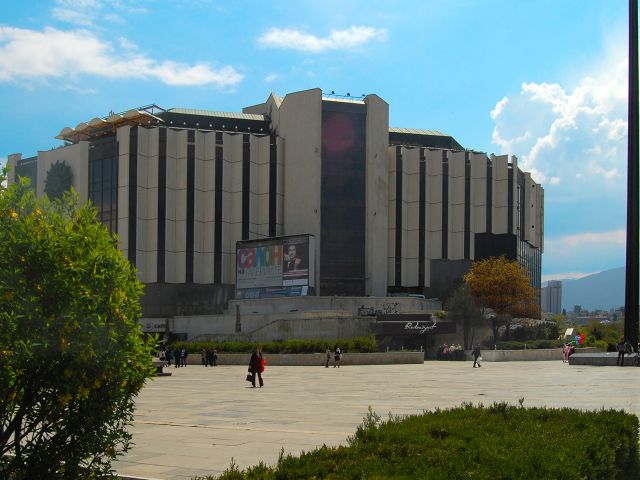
{"type": "Point", "coordinates": [275, 267]}
{"type": "Point", "coordinates": [259, 266]}
{"type": "Point", "coordinates": [296, 261]}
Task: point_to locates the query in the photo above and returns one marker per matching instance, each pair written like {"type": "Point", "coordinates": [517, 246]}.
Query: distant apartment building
{"type": "Point", "coordinates": [551, 298]}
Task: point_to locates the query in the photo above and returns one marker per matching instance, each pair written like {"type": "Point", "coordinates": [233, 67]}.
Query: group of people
{"type": "Point", "coordinates": [450, 352]}
{"type": "Point", "coordinates": [209, 357]}
{"type": "Point", "coordinates": [179, 356]}
{"type": "Point", "coordinates": [337, 357]}
{"type": "Point", "coordinates": [447, 349]}
{"type": "Point", "coordinates": [622, 347]}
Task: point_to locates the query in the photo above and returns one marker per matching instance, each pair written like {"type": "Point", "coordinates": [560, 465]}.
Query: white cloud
{"type": "Point", "coordinates": [586, 240]}
{"type": "Point", "coordinates": [86, 13]}
{"type": "Point", "coordinates": [586, 252]}
{"type": "Point", "coordinates": [499, 106]}
{"type": "Point", "coordinates": [78, 12]}
{"type": "Point", "coordinates": [271, 77]}
{"type": "Point", "coordinates": [127, 44]}
{"type": "Point", "coordinates": [566, 276]}
{"type": "Point", "coordinates": [554, 181]}
{"type": "Point", "coordinates": [349, 39]}
{"type": "Point", "coordinates": [51, 53]}
{"type": "Point", "coordinates": [557, 131]}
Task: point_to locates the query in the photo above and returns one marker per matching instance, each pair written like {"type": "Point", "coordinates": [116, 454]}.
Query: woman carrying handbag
{"type": "Point", "coordinates": [256, 367]}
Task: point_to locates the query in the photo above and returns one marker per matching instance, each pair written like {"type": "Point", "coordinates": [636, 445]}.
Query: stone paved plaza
{"type": "Point", "coordinates": [195, 421]}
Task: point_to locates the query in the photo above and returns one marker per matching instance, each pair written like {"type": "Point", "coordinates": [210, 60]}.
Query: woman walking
{"type": "Point", "coordinates": [256, 367]}
{"type": "Point", "coordinates": [476, 355]}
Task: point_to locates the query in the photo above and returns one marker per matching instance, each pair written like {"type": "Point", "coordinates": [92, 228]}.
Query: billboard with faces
{"type": "Point", "coordinates": [275, 267]}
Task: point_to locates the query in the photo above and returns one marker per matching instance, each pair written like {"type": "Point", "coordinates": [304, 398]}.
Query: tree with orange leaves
{"type": "Point", "coordinates": [502, 285]}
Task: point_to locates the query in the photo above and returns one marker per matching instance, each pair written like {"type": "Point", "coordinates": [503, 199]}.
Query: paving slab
{"type": "Point", "coordinates": [196, 421]}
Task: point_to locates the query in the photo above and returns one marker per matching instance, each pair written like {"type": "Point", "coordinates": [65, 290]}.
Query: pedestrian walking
{"type": "Point", "coordinates": [622, 347]}
{"type": "Point", "coordinates": [183, 357]}
{"type": "Point", "coordinates": [476, 355]}
{"type": "Point", "coordinates": [256, 367]}
{"type": "Point", "coordinates": [337, 357]}
{"type": "Point", "coordinates": [210, 360]}
{"type": "Point", "coordinates": [177, 362]}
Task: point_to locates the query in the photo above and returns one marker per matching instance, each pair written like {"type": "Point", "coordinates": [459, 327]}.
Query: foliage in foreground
{"type": "Point", "coordinates": [72, 357]}
{"type": "Point", "coordinates": [498, 442]}
{"type": "Point", "coordinates": [353, 345]}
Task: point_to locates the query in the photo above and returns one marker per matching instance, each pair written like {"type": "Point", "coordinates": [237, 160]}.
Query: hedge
{"type": "Point", "coordinates": [530, 345]}
{"type": "Point", "coordinates": [354, 345]}
{"type": "Point", "coordinates": [498, 442]}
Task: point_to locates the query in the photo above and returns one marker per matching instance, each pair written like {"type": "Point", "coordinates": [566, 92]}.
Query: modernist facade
{"type": "Point", "coordinates": [391, 210]}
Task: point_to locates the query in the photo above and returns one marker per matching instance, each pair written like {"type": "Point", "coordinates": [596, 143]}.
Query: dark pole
{"type": "Point", "coordinates": [631, 290]}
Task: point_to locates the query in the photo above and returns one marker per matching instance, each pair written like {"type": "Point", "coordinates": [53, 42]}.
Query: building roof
{"type": "Point", "coordinates": [277, 98]}
{"type": "Point", "coordinates": [422, 138]}
{"type": "Point", "coordinates": [101, 126]}
{"type": "Point", "coordinates": [210, 113]}
{"type": "Point", "coordinates": [415, 131]}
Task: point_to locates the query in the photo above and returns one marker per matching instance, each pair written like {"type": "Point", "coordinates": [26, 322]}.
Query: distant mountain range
{"type": "Point", "coordinates": [600, 291]}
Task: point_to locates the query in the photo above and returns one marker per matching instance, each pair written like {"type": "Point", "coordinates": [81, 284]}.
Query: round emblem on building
{"type": "Point", "coordinates": [59, 180]}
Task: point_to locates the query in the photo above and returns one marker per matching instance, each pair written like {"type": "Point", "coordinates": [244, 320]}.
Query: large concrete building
{"type": "Point", "coordinates": [390, 210]}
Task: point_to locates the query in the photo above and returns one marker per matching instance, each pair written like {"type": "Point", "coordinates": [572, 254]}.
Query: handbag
{"type": "Point", "coordinates": [249, 377]}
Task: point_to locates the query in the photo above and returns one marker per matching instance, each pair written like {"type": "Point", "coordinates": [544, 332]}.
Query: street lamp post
{"type": "Point", "coordinates": [631, 290]}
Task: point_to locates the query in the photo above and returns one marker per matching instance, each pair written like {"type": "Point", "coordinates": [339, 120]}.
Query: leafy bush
{"type": "Point", "coordinates": [72, 357]}
{"type": "Point", "coordinates": [354, 345]}
{"type": "Point", "coordinates": [601, 334]}
{"type": "Point", "coordinates": [531, 345]}
{"type": "Point", "coordinates": [538, 331]}
{"type": "Point", "coordinates": [483, 443]}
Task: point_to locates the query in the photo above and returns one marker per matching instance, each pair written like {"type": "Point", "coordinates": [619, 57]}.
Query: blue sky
{"type": "Point", "coordinates": [544, 80]}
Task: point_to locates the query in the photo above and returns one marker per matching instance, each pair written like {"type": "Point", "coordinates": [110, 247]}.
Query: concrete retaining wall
{"type": "Point", "coordinates": [267, 306]}
{"type": "Point", "coordinates": [600, 359]}
{"type": "Point", "coordinates": [267, 328]}
{"type": "Point", "coordinates": [311, 359]}
{"type": "Point", "coordinates": [537, 354]}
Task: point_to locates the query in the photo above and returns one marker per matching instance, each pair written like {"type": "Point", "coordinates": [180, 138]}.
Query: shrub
{"type": "Point", "coordinates": [531, 345]}
{"type": "Point", "coordinates": [354, 345]}
{"type": "Point", "coordinates": [72, 357]}
{"type": "Point", "coordinates": [483, 443]}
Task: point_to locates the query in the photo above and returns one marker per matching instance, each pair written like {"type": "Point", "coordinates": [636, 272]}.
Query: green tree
{"type": "Point", "coordinates": [561, 322]}
{"type": "Point", "coordinates": [502, 285]}
{"type": "Point", "coordinates": [462, 309]}
{"type": "Point", "coordinates": [59, 180]}
{"type": "Point", "coordinates": [72, 357]}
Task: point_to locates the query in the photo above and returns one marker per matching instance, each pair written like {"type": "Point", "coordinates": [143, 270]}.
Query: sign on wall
{"type": "Point", "coordinates": [275, 267]}
{"type": "Point", "coordinates": [412, 324]}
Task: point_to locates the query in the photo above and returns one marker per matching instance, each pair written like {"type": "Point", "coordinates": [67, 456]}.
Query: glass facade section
{"type": "Point", "coordinates": [342, 199]}
{"type": "Point", "coordinates": [28, 168]}
{"type": "Point", "coordinates": [103, 180]}
{"type": "Point", "coordinates": [530, 259]}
